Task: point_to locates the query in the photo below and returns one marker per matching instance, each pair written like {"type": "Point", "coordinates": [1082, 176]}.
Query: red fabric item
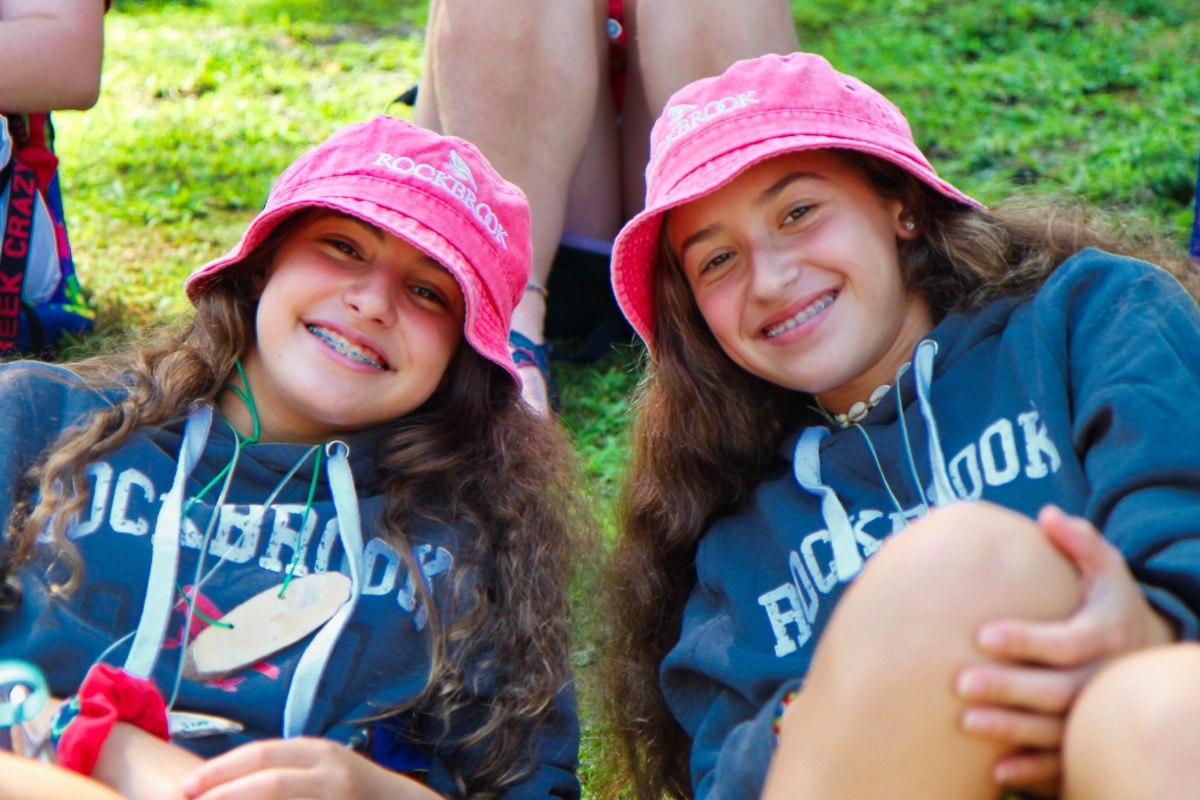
{"type": "Point", "coordinates": [109, 695]}
{"type": "Point", "coordinates": [33, 142]}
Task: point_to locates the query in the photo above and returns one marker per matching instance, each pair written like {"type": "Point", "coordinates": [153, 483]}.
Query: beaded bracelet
{"type": "Point", "coordinates": [777, 726]}
{"type": "Point", "coordinates": [537, 287]}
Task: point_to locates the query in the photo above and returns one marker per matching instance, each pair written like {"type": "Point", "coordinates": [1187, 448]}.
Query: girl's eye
{"type": "Point", "coordinates": [426, 293]}
{"type": "Point", "coordinates": [713, 263]}
{"type": "Point", "coordinates": [797, 213]}
{"type": "Point", "coordinates": [344, 247]}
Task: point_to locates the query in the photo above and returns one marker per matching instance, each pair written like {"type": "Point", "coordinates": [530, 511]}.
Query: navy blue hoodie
{"type": "Point", "coordinates": [380, 659]}
{"type": "Point", "coordinates": [1082, 396]}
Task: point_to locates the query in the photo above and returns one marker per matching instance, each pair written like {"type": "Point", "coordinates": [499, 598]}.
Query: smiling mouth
{"type": "Point", "coordinates": [824, 302]}
{"type": "Point", "coordinates": [347, 348]}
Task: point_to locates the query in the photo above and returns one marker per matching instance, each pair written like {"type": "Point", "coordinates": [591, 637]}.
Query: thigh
{"type": "Point", "coordinates": [679, 41]}
{"type": "Point", "coordinates": [1134, 732]}
{"type": "Point", "coordinates": [594, 199]}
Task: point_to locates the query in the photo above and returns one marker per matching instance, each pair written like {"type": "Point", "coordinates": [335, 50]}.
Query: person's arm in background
{"type": "Point", "coordinates": [51, 52]}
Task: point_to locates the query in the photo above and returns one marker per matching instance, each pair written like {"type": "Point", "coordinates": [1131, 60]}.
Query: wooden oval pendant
{"type": "Point", "coordinates": [264, 625]}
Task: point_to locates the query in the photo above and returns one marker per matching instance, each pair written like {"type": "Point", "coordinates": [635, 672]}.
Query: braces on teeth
{"type": "Point", "coordinates": [803, 316]}
{"type": "Point", "coordinates": [344, 347]}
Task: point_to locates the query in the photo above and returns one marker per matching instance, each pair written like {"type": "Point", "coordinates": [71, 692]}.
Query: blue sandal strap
{"type": "Point", "coordinates": [525, 351]}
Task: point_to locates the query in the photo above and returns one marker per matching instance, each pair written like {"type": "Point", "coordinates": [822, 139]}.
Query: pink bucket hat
{"type": "Point", "coordinates": [714, 129]}
{"type": "Point", "coordinates": [437, 193]}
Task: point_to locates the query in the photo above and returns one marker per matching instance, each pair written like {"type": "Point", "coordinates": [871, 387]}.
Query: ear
{"type": "Point", "coordinates": [905, 224]}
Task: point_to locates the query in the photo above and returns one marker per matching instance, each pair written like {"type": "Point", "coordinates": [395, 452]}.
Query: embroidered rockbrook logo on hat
{"type": "Point", "coordinates": [686, 117]}
{"type": "Point", "coordinates": [451, 185]}
{"type": "Point", "coordinates": [459, 167]}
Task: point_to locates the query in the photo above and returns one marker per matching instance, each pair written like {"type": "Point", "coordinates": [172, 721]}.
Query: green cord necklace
{"type": "Point", "coordinates": [246, 395]}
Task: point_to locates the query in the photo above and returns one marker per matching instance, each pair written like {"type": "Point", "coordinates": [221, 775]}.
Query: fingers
{"type": "Point", "coordinates": [1037, 772]}
{"type": "Point", "coordinates": [1095, 629]}
{"type": "Point", "coordinates": [1010, 726]}
{"type": "Point", "coordinates": [1073, 642]}
{"type": "Point", "coordinates": [1078, 540]}
{"type": "Point", "coordinates": [274, 784]}
{"type": "Point", "coordinates": [1050, 691]}
{"type": "Point", "coordinates": [273, 769]}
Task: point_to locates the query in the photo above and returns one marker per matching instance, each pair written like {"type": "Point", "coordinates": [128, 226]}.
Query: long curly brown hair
{"type": "Point", "coordinates": [473, 455]}
{"type": "Point", "coordinates": [705, 432]}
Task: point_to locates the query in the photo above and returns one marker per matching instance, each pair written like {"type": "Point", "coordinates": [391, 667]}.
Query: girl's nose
{"type": "Point", "coordinates": [773, 271]}
{"type": "Point", "coordinates": [370, 295]}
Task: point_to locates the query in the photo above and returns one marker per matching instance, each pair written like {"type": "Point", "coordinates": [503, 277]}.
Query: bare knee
{"type": "Point", "coordinates": [922, 598]}
{"type": "Point", "coordinates": [969, 563]}
{"type": "Point", "coordinates": [894, 645]}
{"type": "Point", "coordinates": [1135, 729]}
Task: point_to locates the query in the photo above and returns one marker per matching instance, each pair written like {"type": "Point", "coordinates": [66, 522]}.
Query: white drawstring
{"type": "Point", "coordinates": [943, 492]}
{"type": "Point", "coordinates": [307, 677]}
{"type": "Point", "coordinates": [806, 466]}
{"type": "Point", "coordinates": [164, 563]}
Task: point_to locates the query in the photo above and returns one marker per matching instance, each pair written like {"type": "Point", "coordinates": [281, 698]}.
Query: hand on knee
{"type": "Point", "coordinates": [1114, 618]}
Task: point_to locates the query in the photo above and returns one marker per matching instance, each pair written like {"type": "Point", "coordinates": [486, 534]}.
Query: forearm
{"type": "Point", "coordinates": [140, 766]}
{"type": "Point", "coordinates": [51, 53]}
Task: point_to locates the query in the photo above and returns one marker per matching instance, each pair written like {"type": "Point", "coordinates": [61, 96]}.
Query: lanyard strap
{"type": "Point", "coordinates": [14, 253]}
{"type": "Point", "coordinates": [19, 126]}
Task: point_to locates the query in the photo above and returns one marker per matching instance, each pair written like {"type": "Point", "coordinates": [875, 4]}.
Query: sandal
{"type": "Point", "coordinates": [525, 353]}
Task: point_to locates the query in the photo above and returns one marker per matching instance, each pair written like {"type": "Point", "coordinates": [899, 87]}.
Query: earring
{"type": "Point", "coordinates": [910, 225]}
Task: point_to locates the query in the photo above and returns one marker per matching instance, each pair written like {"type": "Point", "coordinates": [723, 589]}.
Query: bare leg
{"type": "Point", "coordinates": [1134, 733]}
{"type": "Point", "coordinates": [674, 42]}
{"type": "Point", "coordinates": [425, 111]}
{"type": "Point", "coordinates": [594, 202]}
{"type": "Point", "coordinates": [878, 717]}
{"type": "Point", "coordinates": [520, 79]}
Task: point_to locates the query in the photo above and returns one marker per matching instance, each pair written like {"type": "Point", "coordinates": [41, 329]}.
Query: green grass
{"type": "Point", "coordinates": [204, 103]}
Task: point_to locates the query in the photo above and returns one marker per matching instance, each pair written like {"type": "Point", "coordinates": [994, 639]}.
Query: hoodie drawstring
{"type": "Point", "coordinates": [943, 494]}
{"type": "Point", "coordinates": [806, 466]}
{"type": "Point", "coordinates": [164, 559]}
{"type": "Point", "coordinates": [311, 666]}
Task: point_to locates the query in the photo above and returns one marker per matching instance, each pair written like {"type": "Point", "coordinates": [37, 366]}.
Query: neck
{"type": "Point", "coordinates": [917, 324]}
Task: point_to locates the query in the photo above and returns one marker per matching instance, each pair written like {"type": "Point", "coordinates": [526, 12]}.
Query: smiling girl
{"type": "Point", "coordinates": [318, 516]}
{"type": "Point", "coordinates": [907, 471]}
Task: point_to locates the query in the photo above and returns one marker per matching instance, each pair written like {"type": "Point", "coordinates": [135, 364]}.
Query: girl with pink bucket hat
{"type": "Point", "coordinates": [317, 519]}
{"type": "Point", "coordinates": [861, 377]}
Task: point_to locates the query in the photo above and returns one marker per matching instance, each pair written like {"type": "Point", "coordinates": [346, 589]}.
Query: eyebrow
{"type": "Point", "coordinates": [767, 196]}
{"type": "Point", "coordinates": [362, 224]}
{"type": "Point", "coordinates": [787, 180]}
